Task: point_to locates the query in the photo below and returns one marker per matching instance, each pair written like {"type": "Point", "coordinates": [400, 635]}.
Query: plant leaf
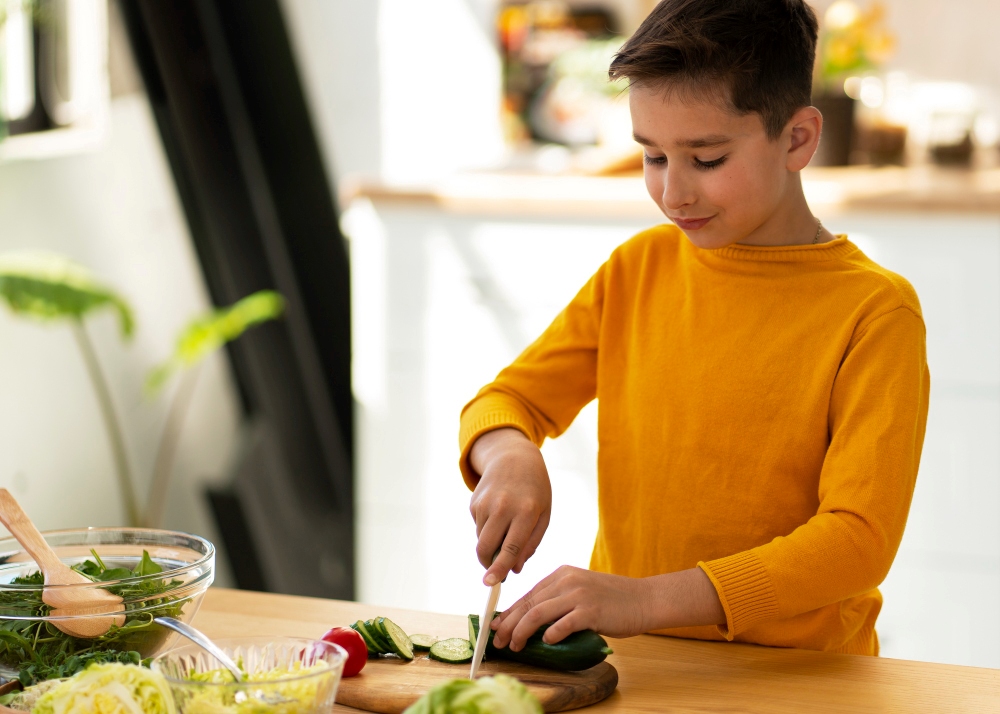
{"type": "Point", "coordinates": [46, 286]}
{"type": "Point", "coordinates": [115, 574]}
{"type": "Point", "coordinates": [147, 566]}
{"type": "Point", "coordinates": [209, 332]}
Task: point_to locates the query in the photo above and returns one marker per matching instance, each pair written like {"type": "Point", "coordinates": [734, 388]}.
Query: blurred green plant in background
{"type": "Point", "coordinates": [51, 288]}
{"type": "Point", "coordinates": [202, 336]}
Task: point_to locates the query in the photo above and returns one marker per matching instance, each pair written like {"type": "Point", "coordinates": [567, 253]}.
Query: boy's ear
{"type": "Point", "coordinates": [804, 129]}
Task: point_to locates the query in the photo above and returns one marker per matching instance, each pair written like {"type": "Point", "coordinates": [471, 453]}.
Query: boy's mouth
{"type": "Point", "coordinates": [691, 224]}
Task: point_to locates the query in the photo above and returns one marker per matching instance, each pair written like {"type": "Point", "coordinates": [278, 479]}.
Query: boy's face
{"type": "Point", "coordinates": [714, 173]}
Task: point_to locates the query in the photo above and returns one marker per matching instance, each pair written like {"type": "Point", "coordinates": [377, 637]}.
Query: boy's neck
{"type": "Point", "coordinates": [792, 223]}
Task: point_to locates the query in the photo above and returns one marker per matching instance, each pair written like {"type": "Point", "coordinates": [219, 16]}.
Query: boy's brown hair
{"type": "Point", "coordinates": [759, 52]}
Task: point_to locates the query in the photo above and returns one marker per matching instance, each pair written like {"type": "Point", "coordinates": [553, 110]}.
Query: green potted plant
{"type": "Point", "coordinates": [852, 41]}
{"type": "Point", "coordinates": [50, 288]}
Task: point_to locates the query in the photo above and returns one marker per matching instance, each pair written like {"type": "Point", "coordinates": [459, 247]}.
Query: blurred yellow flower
{"type": "Point", "coordinates": [853, 40]}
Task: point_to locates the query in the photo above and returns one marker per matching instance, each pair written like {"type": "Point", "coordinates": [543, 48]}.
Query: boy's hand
{"type": "Point", "coordinates": [575, 599]}
{"type": "Point", "coordinates": [512, 502]}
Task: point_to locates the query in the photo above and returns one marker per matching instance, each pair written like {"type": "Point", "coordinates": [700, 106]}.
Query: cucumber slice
{"type": "Point", "coordinates": [398, 640]}
{"type": "Point", "coordinates": [373, 646]}
{"type": "Point", "coordinates": [382, 635]}
{"type": "Point", "coordinates": [453, 651]}
{"type": "Point", "coordinates": [422, 643]}
{"type": "Point", "coordinates": [377, 638]}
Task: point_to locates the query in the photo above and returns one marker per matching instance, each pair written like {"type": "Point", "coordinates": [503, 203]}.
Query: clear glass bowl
{"type": "Point", "coordinates": [293, 693]}
{"type": "Point", "coordinates": [188, 564]}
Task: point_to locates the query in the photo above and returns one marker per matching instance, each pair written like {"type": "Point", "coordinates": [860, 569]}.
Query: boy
{"type": "Point", "coordinates": [762, 384]}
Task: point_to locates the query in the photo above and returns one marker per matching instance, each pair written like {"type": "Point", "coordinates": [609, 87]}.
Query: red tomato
{"type": "Point", "coordinates": [354, 643]}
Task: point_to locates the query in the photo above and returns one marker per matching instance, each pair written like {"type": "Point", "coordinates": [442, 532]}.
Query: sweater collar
{"type": "Point", "coordinates": [837, 248]}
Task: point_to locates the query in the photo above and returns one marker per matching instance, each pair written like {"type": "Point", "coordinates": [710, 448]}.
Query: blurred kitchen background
{"type": "Point", "coordinates": [469, 160]}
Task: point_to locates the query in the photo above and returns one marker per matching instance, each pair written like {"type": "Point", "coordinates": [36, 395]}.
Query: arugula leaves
{"type": "Point", "coordinates": [40, 651]}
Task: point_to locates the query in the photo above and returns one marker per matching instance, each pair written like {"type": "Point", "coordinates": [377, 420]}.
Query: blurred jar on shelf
{"type": "Point", "coordinates": [955, 124]}
{"type": "Point", "coordinates": [854, 40]}
{"type": "Point", "coordinates": [881, 118]}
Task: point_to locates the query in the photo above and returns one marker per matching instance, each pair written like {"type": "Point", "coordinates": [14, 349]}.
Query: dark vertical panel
{"type": "Point", "coordinates": [235, 126]}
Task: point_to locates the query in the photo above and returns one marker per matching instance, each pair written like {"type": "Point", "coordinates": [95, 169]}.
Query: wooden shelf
{"type": "Point", "coordinates": [830, 191]}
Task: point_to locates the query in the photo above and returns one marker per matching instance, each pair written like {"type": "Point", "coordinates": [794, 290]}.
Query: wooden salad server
{"type": "Point", "coordinates": [65, 602]}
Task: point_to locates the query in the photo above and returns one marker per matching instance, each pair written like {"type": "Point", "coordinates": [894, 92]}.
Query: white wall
{"type": "Point", "coordinates": [401, 90]}
{"type": "Point", "coordinates": [440, 305]}
{"type": "Point", "coordinates": [113, 209]}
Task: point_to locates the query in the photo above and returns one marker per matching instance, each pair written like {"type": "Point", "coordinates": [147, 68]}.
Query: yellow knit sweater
{"type": "Point", "coordinates": [761, 415]}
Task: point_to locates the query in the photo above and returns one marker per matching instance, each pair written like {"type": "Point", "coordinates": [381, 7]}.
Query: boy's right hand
{"type": "Point", "coordinates": [512, 502]}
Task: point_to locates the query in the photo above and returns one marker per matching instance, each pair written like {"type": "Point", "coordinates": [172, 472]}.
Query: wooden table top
{"type": "Point", "coordinates": [663, 674]}
{"type": "Point", "coordinates": [830, 191]}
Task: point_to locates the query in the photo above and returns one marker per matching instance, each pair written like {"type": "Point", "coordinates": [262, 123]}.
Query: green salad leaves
{"type": "Point", "coordinates": [40, 651]}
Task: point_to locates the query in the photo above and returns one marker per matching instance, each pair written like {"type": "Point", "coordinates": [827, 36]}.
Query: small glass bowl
{"type": "Point", "coordinates": [308, 693]}
{"type": "Point", "coordinates": [187, 560]}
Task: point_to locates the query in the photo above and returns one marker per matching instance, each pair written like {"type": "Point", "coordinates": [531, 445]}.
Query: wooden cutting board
{"type": "Point", "coordinates": [389, 685]}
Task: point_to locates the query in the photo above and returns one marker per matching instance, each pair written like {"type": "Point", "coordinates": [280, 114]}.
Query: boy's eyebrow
{"type": "Point", "coordinates": [700, 143]}
{"type": "Point", "coordinates": [704, 142]}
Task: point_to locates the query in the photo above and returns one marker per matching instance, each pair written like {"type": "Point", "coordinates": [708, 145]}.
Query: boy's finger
{"type": "Point", "coordinates": [490, 539]}
{"type": "Point", "coordinates": [533, 540]}
{"type": "Point", "coordinates": [564, 627]}
{"type": "Point", "coordinates": [513, 546]}
{"type": "Point", "coordinates": [509, 619]}
{"type": "Point", "coordinates": [545, 611]}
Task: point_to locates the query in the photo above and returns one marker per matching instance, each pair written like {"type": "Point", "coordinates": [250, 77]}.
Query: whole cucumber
{"type": "Point", "coordinates": [581, 650]}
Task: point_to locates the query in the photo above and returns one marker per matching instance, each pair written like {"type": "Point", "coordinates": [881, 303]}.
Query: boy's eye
{"type": "Point", "coordinates": [715, 163]}
{"type": "Point", "coordinates": [654, 159]}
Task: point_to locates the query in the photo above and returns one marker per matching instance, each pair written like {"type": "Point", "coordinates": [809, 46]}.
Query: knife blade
{"type": "Point", "coordinates": [484, 629]}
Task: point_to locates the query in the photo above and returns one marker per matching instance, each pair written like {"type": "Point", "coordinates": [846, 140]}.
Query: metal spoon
{"type": "Point", "coordinates": [200, 639]}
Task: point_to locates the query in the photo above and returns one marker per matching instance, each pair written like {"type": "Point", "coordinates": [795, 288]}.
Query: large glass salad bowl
{"type": "Point", "coordinates": [155, 572]}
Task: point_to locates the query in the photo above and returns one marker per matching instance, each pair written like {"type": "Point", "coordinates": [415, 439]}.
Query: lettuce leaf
{"type": "Point", "coordinates": [109, 689]}
{"type": "Point", "coordinates": [498, 694]}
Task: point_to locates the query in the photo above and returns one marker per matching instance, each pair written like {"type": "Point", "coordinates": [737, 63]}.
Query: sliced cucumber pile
{"type": "Point", "coordinates": [383, 636]}
{"type": "Point", "coordinates": [454, 651]}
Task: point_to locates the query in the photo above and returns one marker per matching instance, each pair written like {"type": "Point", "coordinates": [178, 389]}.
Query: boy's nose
{"type": "Point", "coordinates": [676, 192]}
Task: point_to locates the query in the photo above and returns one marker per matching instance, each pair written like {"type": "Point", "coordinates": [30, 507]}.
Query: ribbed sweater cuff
{"type": "Point", "coordinates": [745, 590]}
{"type": "Point", "coordinates": [481, 416]}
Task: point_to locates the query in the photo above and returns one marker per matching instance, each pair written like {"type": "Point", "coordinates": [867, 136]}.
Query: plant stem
{"type": "Point", "coordinates": [167, 451]}
{"type": "Point", "coordinates": [115, 434]}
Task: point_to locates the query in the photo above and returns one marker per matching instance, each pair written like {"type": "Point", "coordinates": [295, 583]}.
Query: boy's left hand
{"type": "Point", "coordinates": [576, 599]}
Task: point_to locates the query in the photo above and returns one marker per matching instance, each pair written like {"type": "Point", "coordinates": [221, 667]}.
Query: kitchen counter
{"type": "Point", "coordinates": [829, 190]}
{"type": "Point", "coordinates": [665, 674]}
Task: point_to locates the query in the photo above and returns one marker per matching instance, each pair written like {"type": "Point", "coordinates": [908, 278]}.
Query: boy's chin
{"type": "Point", "coordinates": [710, 240]}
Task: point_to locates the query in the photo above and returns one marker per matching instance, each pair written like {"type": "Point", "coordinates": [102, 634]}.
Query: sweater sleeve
{"type": "Point", "coordinates": [544, 389]}
{"type": "Point", "coordinates": [878, 411]}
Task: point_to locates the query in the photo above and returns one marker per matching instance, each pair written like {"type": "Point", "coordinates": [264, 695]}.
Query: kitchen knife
{"type": "Point", "coordinates": [484, 623]}
{"type": "Point", "coordinates": [484, 629]}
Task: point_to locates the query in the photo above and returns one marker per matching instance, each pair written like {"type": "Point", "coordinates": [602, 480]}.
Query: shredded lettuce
{"type": "Point", "coordinates": [296, 697]}
{"type": "Point", "coordinates": [25, 699]}
{"type": "Point", "coordinates": [498, 694]}
{"type": "Point", "coordinates": [109, 689]}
